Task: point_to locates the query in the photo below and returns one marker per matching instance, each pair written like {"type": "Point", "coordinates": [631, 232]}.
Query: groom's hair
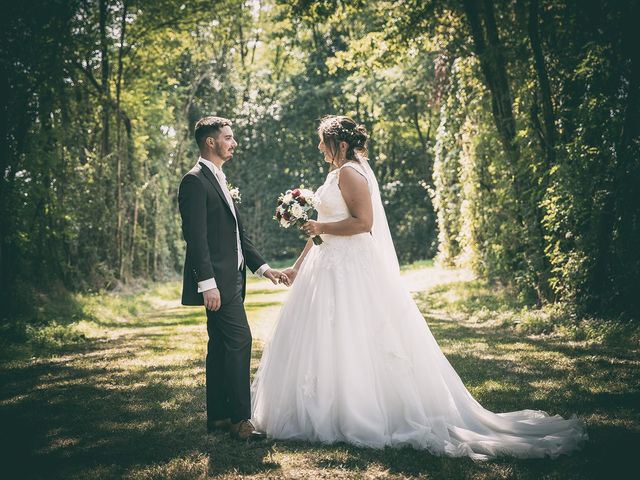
{"type": "Point", "coordinates": [209, 127]}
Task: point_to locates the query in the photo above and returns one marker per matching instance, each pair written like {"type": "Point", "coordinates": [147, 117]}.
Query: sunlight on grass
{"type": "Point", "coordinates": [480, 303]}
{"type": "Point", "coordinates": [417, 265]}
{"type": "Point", "coordinates": [251, 306]}
{"type": "Point", "coordinates": [264, 291]}
{"type": "Point", "coordinates": [128, 401]}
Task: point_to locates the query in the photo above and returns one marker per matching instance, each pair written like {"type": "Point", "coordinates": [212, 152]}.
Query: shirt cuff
{"type": "Point", "coordinates": [260, 272]}
{"type": "Point", "coordinates": [205, 285]}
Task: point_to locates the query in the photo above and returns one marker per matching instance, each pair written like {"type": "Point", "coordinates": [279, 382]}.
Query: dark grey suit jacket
{"type": "Point", "coordinates": [209, 228]}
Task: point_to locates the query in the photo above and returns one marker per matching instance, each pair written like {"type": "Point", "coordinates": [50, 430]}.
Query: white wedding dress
{"type": "Point", "coordinates": [352, 359]}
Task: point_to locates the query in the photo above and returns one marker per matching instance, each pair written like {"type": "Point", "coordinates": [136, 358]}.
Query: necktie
{"type": "Point", "coordinates": [222, 180]}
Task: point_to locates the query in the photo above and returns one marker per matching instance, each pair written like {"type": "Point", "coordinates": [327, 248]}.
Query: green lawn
{"type": "Point", "coordinates": [119, 393]}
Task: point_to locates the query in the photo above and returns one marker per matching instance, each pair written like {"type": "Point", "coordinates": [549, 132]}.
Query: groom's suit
{"type": "Point", "coordinates": [214, 234]}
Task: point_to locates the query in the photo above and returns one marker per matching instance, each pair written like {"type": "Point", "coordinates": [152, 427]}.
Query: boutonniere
{"type": "Point", "coordinates": [235, 193]}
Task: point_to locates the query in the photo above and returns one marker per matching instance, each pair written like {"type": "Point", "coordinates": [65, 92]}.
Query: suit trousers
{"type": "Point", "coordinates": [229, 360]}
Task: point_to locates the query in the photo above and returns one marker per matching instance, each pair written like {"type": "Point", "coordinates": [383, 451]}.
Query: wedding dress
{"type": "Point", "coordinates": [352, 359]}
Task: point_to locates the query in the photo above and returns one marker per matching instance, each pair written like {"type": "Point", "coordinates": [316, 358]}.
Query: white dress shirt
{"type": "Point", "coordinates": [210, 283]}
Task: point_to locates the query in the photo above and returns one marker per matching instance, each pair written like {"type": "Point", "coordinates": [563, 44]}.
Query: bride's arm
{"type": "Point", "coordinates": [293, 271]}
{"type": "Point", "coordinates": [355, 192]}
{"type": "Point", "coordinates": [300, 259]}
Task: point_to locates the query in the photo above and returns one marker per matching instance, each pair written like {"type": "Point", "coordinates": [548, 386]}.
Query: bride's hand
{"type": "Point", "coordinates": [276, 276]}
{"type": "Point", "coordinates": [313, 228]}
{"type": "Point", "coordinates": [291, 275]}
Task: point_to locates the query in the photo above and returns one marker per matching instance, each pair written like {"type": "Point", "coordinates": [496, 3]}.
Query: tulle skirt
{"type": "Point", "coordinates": [352, 359]}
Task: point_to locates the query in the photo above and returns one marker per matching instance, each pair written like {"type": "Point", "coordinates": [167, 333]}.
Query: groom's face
{"type": "Point", "coordinates": [224, 145]}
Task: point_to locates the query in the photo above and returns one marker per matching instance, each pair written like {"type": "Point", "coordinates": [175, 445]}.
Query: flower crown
{"type": "Point", "coordinates": [352, 136]}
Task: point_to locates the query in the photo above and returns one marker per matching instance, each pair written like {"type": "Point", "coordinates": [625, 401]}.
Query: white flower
{"type": "Point", "coordinates": [297, 211]}
{"type": "Point", "coordinates": [309, 197]}
{"type": "Point", "coordinates": [235, 193]}
{"type": "Point", "coordinates": [290, 206]}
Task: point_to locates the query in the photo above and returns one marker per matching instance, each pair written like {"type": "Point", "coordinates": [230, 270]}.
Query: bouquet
{"type": "Point", "coordinates": [294, 208]}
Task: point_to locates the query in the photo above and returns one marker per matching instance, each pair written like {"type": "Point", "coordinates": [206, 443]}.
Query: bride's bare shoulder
{"type": "Point", "coordinates": [351, 167]}
{"type": "Point", "coordinates": [352, 178]}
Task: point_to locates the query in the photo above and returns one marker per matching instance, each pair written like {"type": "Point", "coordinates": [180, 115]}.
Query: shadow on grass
{"type": "Point", "coordinates": [264, 291]}
{"type": "Point", "coordinates": [117, 408]}
{"type": "Point", "coordinates": [133, 407]}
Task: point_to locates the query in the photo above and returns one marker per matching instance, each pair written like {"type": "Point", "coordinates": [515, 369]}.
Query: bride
{"type": "Point", "coordinates": [351, 358]}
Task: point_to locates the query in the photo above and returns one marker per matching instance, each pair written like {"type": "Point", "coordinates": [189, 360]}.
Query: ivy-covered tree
{"type": "Point", "coordinates": [504, 134]}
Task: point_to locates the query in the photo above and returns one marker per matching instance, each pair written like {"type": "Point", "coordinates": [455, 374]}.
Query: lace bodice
{"type": "Point", "coordinates": [332, 206]}
{"type": "Point", "coordinates": [337, 248]}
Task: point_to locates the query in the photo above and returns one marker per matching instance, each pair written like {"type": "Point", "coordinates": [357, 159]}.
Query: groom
{"type": "Point", "coordinates": [218, 252]}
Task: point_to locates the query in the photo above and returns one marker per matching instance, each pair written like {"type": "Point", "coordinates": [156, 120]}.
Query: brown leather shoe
{"type": "Point", "coordinates": [244, 430]}
{"type": "Point", "coordinates": [217, 425]}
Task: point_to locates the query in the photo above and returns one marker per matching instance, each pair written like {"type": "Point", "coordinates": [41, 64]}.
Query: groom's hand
{"type": "Point", "coordinates": [276, 276]}
{"type": "Point", "coordinates": [212, 299]}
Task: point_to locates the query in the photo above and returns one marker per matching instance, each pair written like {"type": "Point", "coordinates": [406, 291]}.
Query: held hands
{"type": "Point", "coordinates": [285, 277]}
{"type": "Point", "coordinates": [276, 277]}
{"type": "Point", "coordinates": [290, 273]}
{"type": "Point", "coordinates": [212, 299]}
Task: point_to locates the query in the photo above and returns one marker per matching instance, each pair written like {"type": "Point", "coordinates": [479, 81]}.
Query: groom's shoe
{"type": "Point", "coordinates": [244, 430]}
{"type": "Point", "coordinates": [218, 425]}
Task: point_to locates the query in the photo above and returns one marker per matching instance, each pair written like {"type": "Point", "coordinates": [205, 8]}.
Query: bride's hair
{"type": "Point", "coordinates": [334, 129]}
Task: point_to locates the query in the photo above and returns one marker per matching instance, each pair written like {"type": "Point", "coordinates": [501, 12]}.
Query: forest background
{"type": "Point", "coordinates": [504, 134]}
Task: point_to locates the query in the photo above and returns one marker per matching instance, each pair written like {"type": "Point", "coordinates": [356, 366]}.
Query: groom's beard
{"type": "Point", "coordinates": [222, 152]}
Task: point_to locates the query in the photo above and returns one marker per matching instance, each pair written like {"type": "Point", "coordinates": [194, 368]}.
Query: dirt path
{"type": "Point", "coordinates": [130, 402]}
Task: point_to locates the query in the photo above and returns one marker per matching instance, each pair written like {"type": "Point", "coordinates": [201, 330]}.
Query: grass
{"type": "Point", "coordinates": [417, 265]}
{"type": "Point", "coordinates": [478, 302]}
{"type": "Point", "coordinates": [127, 400]}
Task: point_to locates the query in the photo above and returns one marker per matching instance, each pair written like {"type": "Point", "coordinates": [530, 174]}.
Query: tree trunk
{"type": "Point", "coordinates": [488, 47]}
{"type": "Point", "coordinates": [120, 150]}
{"type": "Point", "coordinates": [5, 278]}
{"type": "Point", "coordinates": [416, 125]}
{"type": "Point", "coordinates": [134, 228]}
{"type": "Point", "coordinates": [156, 236]}
{"type": "Point", "coordinates": [493, 67]}
{"type": "Point", "coordinates": [104, 63]}
{"type": "Point", "coordinates": [543, 81]}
